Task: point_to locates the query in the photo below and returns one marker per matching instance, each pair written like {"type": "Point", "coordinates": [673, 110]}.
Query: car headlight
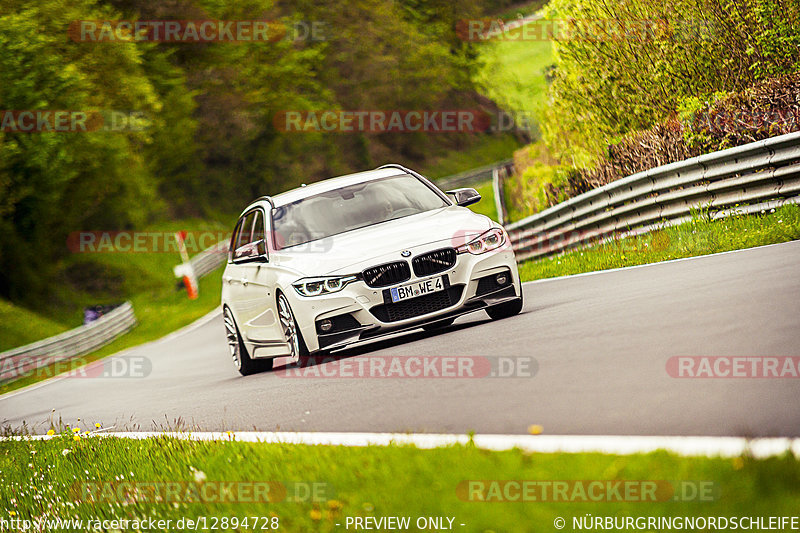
{"type": "Point", "coordinates": [322, 285]}
{"type": "Point", "coordinates": [486, 242]}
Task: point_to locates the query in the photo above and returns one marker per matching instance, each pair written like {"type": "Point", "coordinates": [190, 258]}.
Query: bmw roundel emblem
{"type": "Point", "coordinates": [405, 253]}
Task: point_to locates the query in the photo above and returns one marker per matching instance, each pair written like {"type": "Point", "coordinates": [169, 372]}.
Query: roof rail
{"type": "Point", "coordinates": [420, 177]}
{"type": "Point", "coordinates": [404, 169]}
{"type": "Point", "coordinates": [265, 197]}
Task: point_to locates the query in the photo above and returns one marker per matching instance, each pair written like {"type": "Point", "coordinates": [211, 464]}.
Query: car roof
{"type": "Point", "coordinates": [331, 184]}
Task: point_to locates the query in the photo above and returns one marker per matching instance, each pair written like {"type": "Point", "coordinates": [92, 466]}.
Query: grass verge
{"type": "Point", "coordinates": [19, 326]}
{"type": "Point", "coordinates": [700, 236]}
{"type": "Point", "coordinates": [514, 74]}
{"type": "Point", "coordinates": [314, 488]}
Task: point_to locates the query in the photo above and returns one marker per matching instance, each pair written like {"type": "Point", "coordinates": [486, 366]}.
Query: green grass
{"type": "Point", "coordinates": [484, 151]}
{"type": "Point", "coordinates": [700, 236]}
{"type": "Point", "coordinates": [514, 73]}
{"type": "Point", "coordinates": [146, 279]}
{"type": "Point", "coordinates": [43, 478]}
{"type": "Point", "coordinates": [513, 76]}
{"type": "Point", "coordinates": [486, 205]}
{"type": "Point", "coordinates": [522, 9]}
{"type": "Point", "coordinates": [20, 326]}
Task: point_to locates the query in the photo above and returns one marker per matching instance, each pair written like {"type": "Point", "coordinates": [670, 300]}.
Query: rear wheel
{"type": "Point", "coordinates": [241, 359]}
{"type": "Point", "coordinates": [505, 310]}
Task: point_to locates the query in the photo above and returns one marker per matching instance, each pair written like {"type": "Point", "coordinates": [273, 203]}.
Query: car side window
{"type": "Point", "coordinates": [240, 248]}
{"type": "Point", "coordinates": [234, 238]}
{"type": "Point", "coordinates": [259, 235]}
{"type": "Point", "coordinates": [250, 240]}
{"type": "Point", "coordinates": [245, 236]}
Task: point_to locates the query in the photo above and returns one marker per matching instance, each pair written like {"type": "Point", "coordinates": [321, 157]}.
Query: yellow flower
{"type": "Point", "coordinates": [76, 430]}
{"type": "Point", "coordinates": [97, 425]}
{"type": "Point", "coordinates": [12, 513]}
{"type": "Point", "coordinates": [315, 514]}
{"type": "Point", "coordinates": [535, 429]}
{"type": "Point", "coordinates": [76, 437]}
{"type": "Point", "coordinates": [51, 432]}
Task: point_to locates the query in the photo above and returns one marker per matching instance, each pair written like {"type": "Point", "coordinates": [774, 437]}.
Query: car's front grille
{"type": "Point", "coordinates": [421, 305]}
{"type": "Point", "coordinates": [388, 274]}
{"type": "Point", "coordinates": [434, 262]}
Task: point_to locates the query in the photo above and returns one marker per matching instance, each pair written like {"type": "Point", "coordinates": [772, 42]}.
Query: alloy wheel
{"type": "Point", "coordinates": [289, 327]}
{"type": "Point", "coordinates": [233, 339]}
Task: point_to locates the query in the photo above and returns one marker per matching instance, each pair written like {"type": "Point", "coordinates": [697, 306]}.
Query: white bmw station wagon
{"type": "Point", "coordinates": [358, 256]}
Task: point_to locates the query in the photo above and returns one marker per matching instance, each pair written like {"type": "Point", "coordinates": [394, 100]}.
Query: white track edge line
{"type": "Point", "coordinates": [606, 444]}
{"type": "Point", "coordinates": [212, 314]}
{"type": "Point", "coordinates": [668, 261]}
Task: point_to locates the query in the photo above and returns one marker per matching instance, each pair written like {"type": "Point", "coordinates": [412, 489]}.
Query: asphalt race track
{"type": "Point", "coordinates": [597, 347]}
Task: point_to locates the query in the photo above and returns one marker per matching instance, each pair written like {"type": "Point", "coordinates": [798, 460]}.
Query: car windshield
{"type": "Point", "coordinates": [353, 207]}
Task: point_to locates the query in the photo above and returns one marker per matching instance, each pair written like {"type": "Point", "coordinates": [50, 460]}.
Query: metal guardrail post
{"type": "Point", "coordinates": [471, 177]}
{"type": "Point", "coordinates": [499, 195]}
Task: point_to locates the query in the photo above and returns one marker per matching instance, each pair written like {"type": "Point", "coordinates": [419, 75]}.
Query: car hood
{"type": "Point", "coordinates": [352, 251]}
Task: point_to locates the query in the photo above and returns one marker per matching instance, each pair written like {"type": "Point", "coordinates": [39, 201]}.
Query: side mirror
{"type": "Point", "coordinates": [465, 197]}
{"type": "Point", "coordinates": [252, 252]}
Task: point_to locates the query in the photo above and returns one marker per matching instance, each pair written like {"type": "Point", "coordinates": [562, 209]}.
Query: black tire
{"type": "Point", "coordinates": [433, 326]}
{"type": "Point", "coordinates": [241, 359]}
{"type": "Point", "coordinates": [505, 310]}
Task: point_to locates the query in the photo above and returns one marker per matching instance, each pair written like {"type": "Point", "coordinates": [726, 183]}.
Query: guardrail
{"type": "Point", "coordinates": [474, 176]}
{"type": "Point", "coordinates": [73, 343]}
{"type": "Point", "coordinates": [744, 179]}
{"type": "Point", "coordinates": [20, 361]}
{"type": "Point", "coordinates": [209, 259]}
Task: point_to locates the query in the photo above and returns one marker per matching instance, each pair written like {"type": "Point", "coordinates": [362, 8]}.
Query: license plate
{"type": "Point", "coordinates": [418, 288]}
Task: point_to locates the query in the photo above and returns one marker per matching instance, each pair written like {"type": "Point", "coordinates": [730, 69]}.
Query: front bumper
{"type": "Point", "coordinates": [360, 312]}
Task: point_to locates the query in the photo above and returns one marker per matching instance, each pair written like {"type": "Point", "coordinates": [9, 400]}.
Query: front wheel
{"type": "Point", "coordinates": [241, 359]}
{"type": "Point", "coordinates": [291, 332]}
{"type": "Point", "coordinates": [505, 310]}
